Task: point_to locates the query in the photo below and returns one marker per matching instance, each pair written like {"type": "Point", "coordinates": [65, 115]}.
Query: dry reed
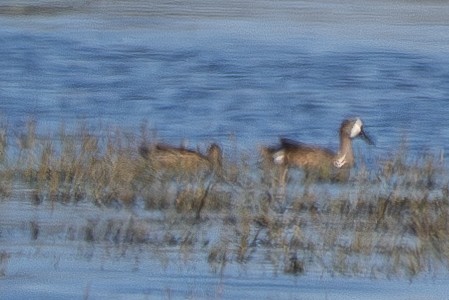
{"type": "Point", "coordinates": [390, 220]}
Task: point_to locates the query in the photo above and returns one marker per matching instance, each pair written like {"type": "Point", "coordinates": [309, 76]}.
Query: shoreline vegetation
{"type": "Point", "coordinates": [389, 220]}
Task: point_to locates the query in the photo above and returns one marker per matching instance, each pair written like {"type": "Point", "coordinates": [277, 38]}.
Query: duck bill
{"type": "Point", "coordinates": [366, 137]}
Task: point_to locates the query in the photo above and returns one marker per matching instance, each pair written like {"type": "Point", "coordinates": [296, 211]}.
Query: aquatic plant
{"type": "Point", "coordinates": [389, 220]}
{"type": "Point", "coordinates": [4, 258]}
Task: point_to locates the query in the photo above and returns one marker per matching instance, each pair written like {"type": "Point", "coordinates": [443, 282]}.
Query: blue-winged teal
{"type": "Point", "coordinates": [179, 161]}
{"type": "Point", "coordinates": [183, 160]}
{"type": "Point", "coordinates": [317, 162]}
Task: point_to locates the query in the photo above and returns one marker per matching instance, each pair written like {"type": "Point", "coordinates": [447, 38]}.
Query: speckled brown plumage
{"type": "Point", "coordinates": [317, 162]}
{"type": "Point", "coordinates": [183, 160]}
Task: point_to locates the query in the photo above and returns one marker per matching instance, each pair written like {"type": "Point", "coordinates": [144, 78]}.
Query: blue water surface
{"type": "Point", "coordinates": [243, 73]}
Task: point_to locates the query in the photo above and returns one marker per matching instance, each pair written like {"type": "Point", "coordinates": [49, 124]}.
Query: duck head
{"type": "Point", "coordinates": [354, 128]}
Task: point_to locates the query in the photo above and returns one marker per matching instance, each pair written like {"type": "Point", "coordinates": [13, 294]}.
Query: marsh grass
{"type": "Point", "coordinates": [4, 259]}
{"type": "Point", "coordinates": [390, 219]}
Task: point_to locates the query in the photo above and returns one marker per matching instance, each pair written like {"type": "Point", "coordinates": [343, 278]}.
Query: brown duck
{"type": "Point", "coordinates": [317, 162]}
{"type": "Point", "coordinates": [183, 160]}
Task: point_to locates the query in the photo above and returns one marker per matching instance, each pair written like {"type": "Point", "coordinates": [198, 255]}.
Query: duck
{"type": "Point", "coordinates": [186, 164]}
{"type": "Point", "coordinates": [183, 160]}
{"type": "Point", "coordinates": [318, 162]}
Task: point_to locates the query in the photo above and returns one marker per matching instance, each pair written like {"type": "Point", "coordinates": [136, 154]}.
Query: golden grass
{"type": "Point", "coordinates": [390, 220]}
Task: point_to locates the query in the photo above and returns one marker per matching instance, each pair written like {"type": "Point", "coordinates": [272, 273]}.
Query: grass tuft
{"type": "Point", "coordinates": [390, 219]}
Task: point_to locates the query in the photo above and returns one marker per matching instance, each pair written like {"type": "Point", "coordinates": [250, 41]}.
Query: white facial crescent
{"type": "Point", "coordinates": [356, 128]}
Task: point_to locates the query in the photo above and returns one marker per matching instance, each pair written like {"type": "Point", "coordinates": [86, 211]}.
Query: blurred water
{"type": "Point", "coordinates": [254, 70]}
{"type": "Point", "coordinates": [206, 70]}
